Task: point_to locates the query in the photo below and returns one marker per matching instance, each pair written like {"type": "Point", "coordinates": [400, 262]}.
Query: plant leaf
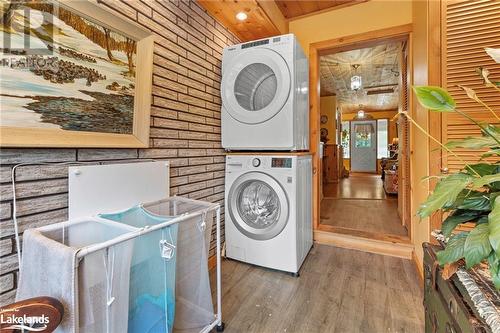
{"type": "Point", "coordinates": [470, 92]}
{"type": "Point", "coordinates": [494, 262]}
{"type": "Point", "coordinates": [494, 225]}
{"type": "Point", "coordinates": [477, 245]}
{"type": "Point", "coordinates": [434, 98]}
{"type": "Point", "coordinates": [490, 153]}
{"type": "Point", "coordinates": [473, 200]}
{"type": "Point", "coordinates": [454, 250]}
{"type": "Point", "coordinates": [485, 180]}
{"type": "Point", "coordinates": [445, 193]}
{"type": "Point", "coordinates": [472, 142]}
{"type": "Point", "coordinates": [484, 72]}
{"type": "Point", "coordinates": [494, 54]}
{"type": "Point", "coordinates": [483, 169]}
{"type": "Point", "coordinates": [459, 216]}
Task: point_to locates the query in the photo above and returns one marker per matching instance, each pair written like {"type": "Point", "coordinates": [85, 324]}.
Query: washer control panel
{"type": "Point", "coordinates": [281, 162]}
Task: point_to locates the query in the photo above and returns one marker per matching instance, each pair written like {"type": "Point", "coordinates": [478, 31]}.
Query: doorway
{"type": "Point", "coordinates": [363, 146]}
{"type": "Point", "coordinates": [368, 76]}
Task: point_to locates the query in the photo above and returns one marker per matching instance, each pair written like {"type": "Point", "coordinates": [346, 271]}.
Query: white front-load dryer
{"type": "Point", "coordinates": [265, 95]}
{"type": "Point", "coordinates": [268, 210]}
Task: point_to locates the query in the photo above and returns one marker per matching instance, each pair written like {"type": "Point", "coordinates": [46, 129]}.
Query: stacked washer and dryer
{"type": "Point", "coordinates": [265, 128]}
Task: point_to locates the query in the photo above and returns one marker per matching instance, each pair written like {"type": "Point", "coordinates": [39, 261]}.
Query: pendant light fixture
{"type": "Point", "coordinates": [356, 82]}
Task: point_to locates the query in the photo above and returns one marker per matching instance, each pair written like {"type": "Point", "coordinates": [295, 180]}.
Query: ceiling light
{"type": "Point", "coordinates": [356, 82]}
{"type": "Point", "coordinates": [241, 16]}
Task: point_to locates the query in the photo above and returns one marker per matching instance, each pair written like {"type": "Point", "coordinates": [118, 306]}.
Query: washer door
{"type": "Point", "coordinates": [256, 85]}
{"type": "Point", "coordinates": [258, 206]}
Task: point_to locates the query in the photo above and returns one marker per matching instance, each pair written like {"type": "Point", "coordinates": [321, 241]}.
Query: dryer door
{"type": "Point", "coordinates": [258, 206]}
{"type": "Point", "coordinates": [255, 85]}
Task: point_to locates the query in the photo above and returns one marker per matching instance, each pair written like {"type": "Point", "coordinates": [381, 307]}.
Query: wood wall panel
{"type": "Point", "coordinates": [185, 127]}
{"type": "Point", "coordinates": [468, 27]}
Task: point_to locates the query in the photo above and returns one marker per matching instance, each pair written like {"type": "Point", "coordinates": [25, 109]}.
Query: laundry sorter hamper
{"type": "Point", "coordinates": [93, 288]}
{"type": "Point", "coordinates": [170, 285]}
{"type": "Point", "coordinates": [151, 274]}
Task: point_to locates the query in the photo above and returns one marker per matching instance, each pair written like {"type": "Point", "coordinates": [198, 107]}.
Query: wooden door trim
{"type": "Point", "coordinates": [336, 45]}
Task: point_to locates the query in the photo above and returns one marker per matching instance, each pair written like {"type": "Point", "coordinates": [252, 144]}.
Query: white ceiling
{"type": "Point", "coordinates": [379, 68]}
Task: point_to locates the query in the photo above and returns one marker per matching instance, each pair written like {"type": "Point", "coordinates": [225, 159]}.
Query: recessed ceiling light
{"type": "Point", "coordinates": [241, 16]}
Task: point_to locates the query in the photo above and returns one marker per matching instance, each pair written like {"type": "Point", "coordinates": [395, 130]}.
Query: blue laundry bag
{"type": "Point", "coordinates": [152, 273]}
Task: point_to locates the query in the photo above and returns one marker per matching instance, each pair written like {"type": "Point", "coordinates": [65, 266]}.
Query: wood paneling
{"type": "Point", "coordinates": [468, 27]}
{"type": "Point", "coordinates": [293, 9]}
{"type": "Point", "coordinates": [258, 24]}
{"type": "Point", "coordinates": [331, 170]}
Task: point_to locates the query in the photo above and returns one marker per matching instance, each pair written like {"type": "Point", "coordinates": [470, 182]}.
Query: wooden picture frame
{"type": "Point", "coordinates": [139, 138]}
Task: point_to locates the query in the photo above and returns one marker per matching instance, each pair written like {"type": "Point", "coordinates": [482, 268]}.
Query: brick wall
{"type": "Point", "coordinates": [185, 127]}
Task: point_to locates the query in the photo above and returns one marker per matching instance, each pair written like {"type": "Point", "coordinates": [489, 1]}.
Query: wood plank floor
{"type": "Point", "coordinates": [379, 216]}
{"type": "Point", "coordinates": [338, 291]}
{"type": "Point", "coordinates": [360, 203]}
{"type": "Point", "coordinates": [357, 186]}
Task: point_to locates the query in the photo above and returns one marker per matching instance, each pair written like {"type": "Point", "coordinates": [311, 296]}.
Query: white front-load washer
{"type": "Point", "coordinates": [265, 95]}
{"type": "Point", "coordinates": [268, 210]}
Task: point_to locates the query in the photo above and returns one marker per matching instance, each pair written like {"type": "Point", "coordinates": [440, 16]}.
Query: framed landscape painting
{"type": "Point", "coordinates": [73, 74]}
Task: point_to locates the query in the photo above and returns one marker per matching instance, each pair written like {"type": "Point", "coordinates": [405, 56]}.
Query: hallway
{"type": "Point", "coordinates": [360, 203]}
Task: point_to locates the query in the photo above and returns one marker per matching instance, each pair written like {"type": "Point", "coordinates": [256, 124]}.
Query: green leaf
{"type": "Point", "coordinates": [494, 262]}
{"type": "Point", "coordinates": [494, 225]}
{"type": "Point", "coordinates": [490, 153]}
{"type": "Point", "coordinates": [459, 216]}
{"type": "Point", "coordinates": [477, 245]}
{"type": "Point", "coordinates": [473, 200]}
{"type": "Point", "coordinates": [454, 250]}
{"type": "Point", "coordinates": [485, 180]}
{"type": "Point", "coordinates": [472, 142]}
{"type": "Point", "coordinates": [482, 219]}
{"type": "Point", "coordinates": [434, 98]}
{"type": "Point", "coordinates": [482, 169]}
{"type": "Point", "coordinates": [445, 193]}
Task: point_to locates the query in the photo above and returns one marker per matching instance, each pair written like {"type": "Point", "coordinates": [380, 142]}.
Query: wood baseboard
{"type": "Point", "coordinates": [395, 249]}
{"type": "Point", "coordinates": [364, 234]}
{"type": "Point", "coordinates": [419, 268]}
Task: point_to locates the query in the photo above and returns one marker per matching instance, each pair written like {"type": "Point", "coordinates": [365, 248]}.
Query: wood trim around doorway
{"type": "Point", "coordinates": [326, 47]}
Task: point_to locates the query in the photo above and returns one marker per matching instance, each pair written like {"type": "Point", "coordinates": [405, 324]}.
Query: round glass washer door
{"type": "Point", "coordinates": [255, 85]}
{"type": "Point", "coordinates": [258, 206]}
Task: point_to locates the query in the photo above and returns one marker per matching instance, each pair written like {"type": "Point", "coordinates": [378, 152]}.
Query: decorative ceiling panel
{"type": "Point", "coordinates": [379, 68]}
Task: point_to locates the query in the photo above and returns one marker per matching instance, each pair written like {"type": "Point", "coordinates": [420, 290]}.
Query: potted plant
{"type": "Point", "coordinates": [473, 193]}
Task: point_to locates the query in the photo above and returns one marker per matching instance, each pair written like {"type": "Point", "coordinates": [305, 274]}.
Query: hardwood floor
{"type": "Point", "coordinates": [338, 291]}
{"type": "Point", "coordinates": [379, 216]}
{"type": "Point", "coordinates": [357, 186]}
{"type": "Point", "coordinates": [360, 203]}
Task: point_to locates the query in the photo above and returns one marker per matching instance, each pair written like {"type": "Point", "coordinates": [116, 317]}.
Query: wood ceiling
{"type": "Point", "coordinates": [379, 68]}
{"type": "Point", "coordinates": [258, 24]}
{"type": "Point", "coordinates": [293, 9]}
{"type": "Point", "coordinates": [266, 18]}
